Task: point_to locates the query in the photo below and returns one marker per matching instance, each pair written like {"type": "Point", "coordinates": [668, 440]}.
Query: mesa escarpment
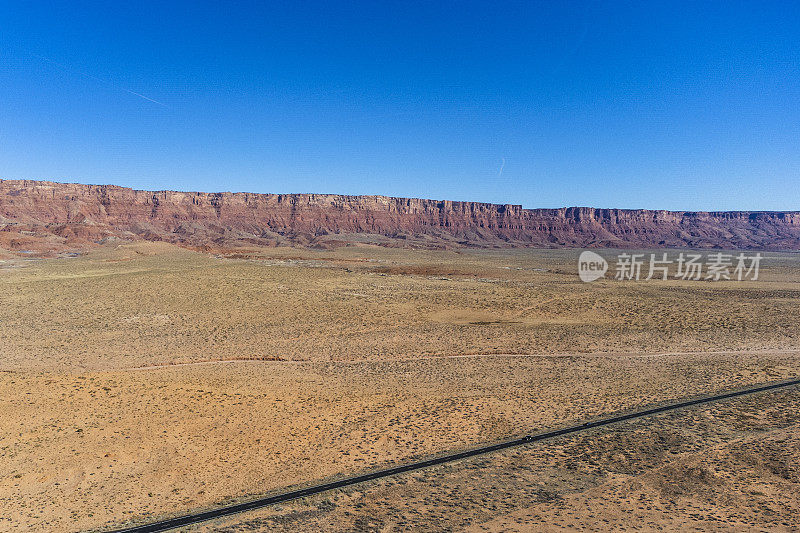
{"type": "Point", "coordinates": [41, 215]}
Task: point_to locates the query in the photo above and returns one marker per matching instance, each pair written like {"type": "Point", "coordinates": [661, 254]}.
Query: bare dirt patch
{"type": "Point", "coordinates": [113, 404]}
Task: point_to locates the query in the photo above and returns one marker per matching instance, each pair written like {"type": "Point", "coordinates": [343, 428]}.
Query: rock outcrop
{"type": "Point", "coordinates": [39, 215]}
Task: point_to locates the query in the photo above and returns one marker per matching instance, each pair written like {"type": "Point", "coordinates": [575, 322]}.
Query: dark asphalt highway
{"type": "Point", "coordinates": [194, 518]}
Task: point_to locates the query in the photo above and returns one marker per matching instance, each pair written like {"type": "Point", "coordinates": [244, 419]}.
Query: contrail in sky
{"type": "Point", "coordinates": [501, 168]}
{"type": "Point", "coordinates": [106, 82]}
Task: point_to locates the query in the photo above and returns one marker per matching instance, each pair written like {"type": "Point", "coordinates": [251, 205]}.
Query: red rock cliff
{"type": "Point", "coordinates": [73, 214]}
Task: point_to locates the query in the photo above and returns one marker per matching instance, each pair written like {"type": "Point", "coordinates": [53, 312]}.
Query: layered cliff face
{"type": "Point", "coordinates": [39, 215]}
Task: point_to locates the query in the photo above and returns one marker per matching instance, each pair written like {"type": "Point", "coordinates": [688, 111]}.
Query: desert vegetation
{"type": "Point", "coordinates": [142, 380]}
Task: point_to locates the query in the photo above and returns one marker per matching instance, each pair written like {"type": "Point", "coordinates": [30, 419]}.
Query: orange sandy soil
{"type": "Point", "coordinates": [349, 365]}
{"type": "Point", "coordinates": [731, 466]}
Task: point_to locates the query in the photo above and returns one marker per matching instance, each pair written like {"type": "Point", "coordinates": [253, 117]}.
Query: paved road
{"type": "Point", "coordinates": [188, 519]}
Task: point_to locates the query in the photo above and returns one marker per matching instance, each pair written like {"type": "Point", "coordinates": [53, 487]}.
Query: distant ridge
{"type": "Point", "coordinates": [47, 216]}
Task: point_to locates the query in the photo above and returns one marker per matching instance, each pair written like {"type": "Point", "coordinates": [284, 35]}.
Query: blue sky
{"type": "Point", "coordinates": [673, 105]}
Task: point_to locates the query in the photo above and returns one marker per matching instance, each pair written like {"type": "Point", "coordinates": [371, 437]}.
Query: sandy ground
{"type": "Point", "coordinates": [113, 408]}
{"type": "Point", "coordinates": [148, 304]}
{"type": "Point", "coordinates": [731, 466]}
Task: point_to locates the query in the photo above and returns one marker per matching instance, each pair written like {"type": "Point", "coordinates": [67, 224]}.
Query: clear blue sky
{"type": "Point", "coordinates": [675, 105]}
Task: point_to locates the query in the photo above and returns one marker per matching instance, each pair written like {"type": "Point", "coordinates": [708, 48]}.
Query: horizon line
{"type": "Point", "coordinates": [520, 206]}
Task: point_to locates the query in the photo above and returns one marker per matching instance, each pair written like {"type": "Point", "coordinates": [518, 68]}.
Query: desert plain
{"type": "Point", "coordinates": [143, 380]}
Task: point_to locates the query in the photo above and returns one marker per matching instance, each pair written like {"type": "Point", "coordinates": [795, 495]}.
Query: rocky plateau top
{"type": "Point", "coordinates": [43, 216]}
